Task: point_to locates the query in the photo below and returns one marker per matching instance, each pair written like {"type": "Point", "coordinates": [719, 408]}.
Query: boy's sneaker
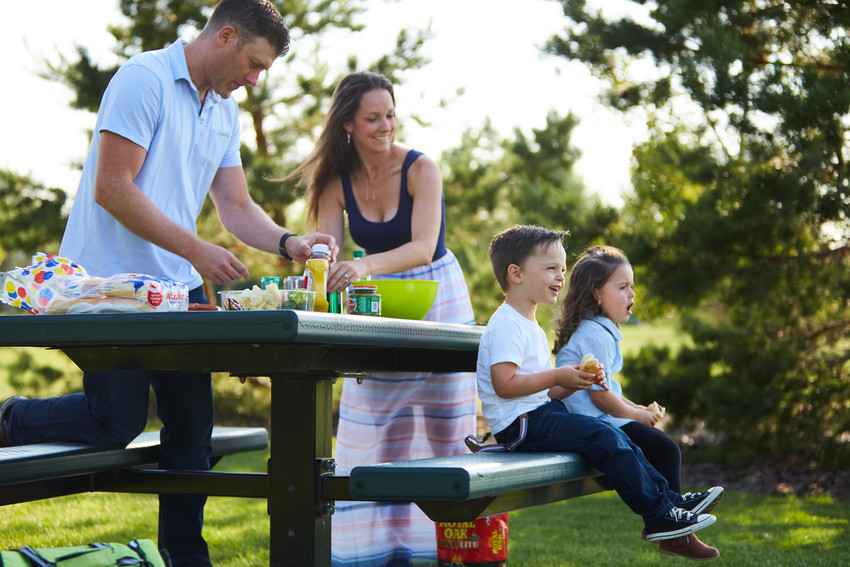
{"type": "Point", "coordinates": [700, 502]}
{"type": "Point", "coordinates": [676, 523]}
{"type": "Point", "coordinates": [487, 443]}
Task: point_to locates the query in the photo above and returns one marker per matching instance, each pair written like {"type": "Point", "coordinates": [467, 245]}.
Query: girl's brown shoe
{"type": "Point", "coordinates": [689, 547]}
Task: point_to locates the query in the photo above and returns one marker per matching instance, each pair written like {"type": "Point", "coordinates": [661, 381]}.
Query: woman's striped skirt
{"type": "Point", "coordinates": [398, 417]}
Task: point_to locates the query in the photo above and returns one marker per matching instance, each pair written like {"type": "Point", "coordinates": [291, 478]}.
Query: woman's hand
{"type": "Point", "coordinates": [341, 274]}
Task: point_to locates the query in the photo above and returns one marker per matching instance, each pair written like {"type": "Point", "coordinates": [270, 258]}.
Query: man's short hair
{"type": "Point", "coordinates": [252, 19]}
{"type": "Point", "coordinates": [516, 244]}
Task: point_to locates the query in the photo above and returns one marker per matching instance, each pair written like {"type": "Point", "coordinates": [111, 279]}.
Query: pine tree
{"type": "Point", "coordinates": [740, 213]}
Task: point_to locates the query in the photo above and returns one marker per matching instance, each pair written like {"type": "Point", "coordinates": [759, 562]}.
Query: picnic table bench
{"type": "Point", "coordinates": [47, 470]}
{"type": "Point", "coordinates": [303, 353]}
{"type": "Point", "coordinates": [462, 488]}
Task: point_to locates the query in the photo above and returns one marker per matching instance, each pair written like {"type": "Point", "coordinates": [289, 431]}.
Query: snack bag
{"type": "Point", "coordinates": [55, 285]}
{"type": "Point", "coordinates": [480, 543]}
{"type": "Point", "coordinates": [34, 288]}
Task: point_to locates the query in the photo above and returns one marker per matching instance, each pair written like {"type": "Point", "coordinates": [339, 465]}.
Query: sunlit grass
{"type": "Point", "coordinates": [596, 530]}
{"type": "Point", "coordinates": [236, 529]}
{"type": "Point", "coordinates": [751, 530]}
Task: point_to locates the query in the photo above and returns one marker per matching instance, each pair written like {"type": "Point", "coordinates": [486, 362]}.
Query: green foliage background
{"type": "Point", "coordinates": [738, 223]}
{"type": "Point", "coordinates": [739, 218]}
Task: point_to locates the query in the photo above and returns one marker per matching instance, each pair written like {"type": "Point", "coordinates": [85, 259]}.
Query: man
{"type": "Point", "coordinates": [167, 134]}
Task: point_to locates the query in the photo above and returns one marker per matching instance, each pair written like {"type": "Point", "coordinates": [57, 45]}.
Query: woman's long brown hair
{"type": "Point", "coordinates": [333, 154]}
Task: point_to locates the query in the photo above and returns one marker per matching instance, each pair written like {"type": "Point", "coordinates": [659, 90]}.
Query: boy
{"type": "Point", "coordinates": [515, 373]}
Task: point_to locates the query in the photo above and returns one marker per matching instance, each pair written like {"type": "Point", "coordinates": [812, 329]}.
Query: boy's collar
{"type": "Point", "coordinates": [523, 310]}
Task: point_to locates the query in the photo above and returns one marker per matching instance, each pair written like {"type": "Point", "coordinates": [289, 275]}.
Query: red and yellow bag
{"type": "Point", "coordinates": [482, 543]}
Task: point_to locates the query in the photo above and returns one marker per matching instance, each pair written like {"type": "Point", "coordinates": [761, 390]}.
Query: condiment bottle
{"type": "Point", "coordinates": [318, 266]}
{"type": "Point", "coordinates": [364, 300]}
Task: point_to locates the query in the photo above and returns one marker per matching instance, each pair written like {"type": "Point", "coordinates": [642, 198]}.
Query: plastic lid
{"type": "Point", "coordinates": [321, 249]}
{"type": "Point", "coordinates": [365, 287]}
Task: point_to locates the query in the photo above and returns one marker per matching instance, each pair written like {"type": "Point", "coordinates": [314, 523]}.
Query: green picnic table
{"type": "Point", "coordinates": [302, 353]}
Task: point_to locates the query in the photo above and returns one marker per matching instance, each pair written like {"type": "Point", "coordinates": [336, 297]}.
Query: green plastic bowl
{"type": "Point", "coordinates": [404, 299]}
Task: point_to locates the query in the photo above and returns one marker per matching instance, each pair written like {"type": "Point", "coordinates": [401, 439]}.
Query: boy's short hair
{"type": "Point", "coordinates": [516, 244]}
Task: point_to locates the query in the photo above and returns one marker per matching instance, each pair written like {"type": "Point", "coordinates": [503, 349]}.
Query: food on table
{"type": "Point", "coordinates": [57, 285]}
{"type": "Point", "coordinates": [202, 307]}
{"type": "Point", "coordinates": [256, 299]}
{"type": "Point", "coordinates": [299, 299]}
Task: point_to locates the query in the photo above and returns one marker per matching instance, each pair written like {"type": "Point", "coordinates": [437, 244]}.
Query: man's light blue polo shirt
{"type": "Point", "coordinates": [152, 102]}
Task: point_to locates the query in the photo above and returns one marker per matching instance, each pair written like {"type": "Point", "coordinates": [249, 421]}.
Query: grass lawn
{"type": "Point", "coordinates": [595, 530]}
{"type": "Point", "coordinates": [600, 530]}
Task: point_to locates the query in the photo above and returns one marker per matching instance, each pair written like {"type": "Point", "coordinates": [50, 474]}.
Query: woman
{"type": "Point", "coordinates": [393, 198]}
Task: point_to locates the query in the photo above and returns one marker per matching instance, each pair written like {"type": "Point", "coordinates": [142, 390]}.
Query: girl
{"type": "Point", "coordinates": [600, 298]}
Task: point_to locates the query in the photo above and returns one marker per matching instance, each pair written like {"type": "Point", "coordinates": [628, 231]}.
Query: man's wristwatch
{"type": "Point", "coordinates": [282, 245]}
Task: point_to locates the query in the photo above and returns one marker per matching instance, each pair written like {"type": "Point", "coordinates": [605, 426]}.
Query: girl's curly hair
{"type": "Point", "coordinates": [590, 273]}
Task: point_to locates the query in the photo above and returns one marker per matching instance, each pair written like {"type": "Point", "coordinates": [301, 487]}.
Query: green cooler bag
{"type": "Point", "coordinates": [137, 553]}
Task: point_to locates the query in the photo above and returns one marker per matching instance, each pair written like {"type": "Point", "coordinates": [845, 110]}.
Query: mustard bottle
{"type": "Point", "coordinates": [318, 266]}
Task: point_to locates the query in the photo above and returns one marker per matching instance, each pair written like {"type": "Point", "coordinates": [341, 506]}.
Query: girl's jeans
{"type": "Point", "coordinates": [553, 429]}
{"type": "Point", "coordinates": [659, 449]}
{"type": "Point", "coordinates": [113, 410]}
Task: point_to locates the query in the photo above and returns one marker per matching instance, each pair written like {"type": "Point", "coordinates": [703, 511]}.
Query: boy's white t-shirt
{"type": "Point", "coordinates": [510, 337]}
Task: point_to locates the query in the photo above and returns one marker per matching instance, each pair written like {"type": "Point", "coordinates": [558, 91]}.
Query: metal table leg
{"type": "Point", "coordinates": [301, 433]}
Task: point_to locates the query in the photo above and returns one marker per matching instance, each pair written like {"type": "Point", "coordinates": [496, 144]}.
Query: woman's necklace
{"type": "Point", "coordinates": [369, 189]}
{"type": "Point", "coordinates": [366, 193]}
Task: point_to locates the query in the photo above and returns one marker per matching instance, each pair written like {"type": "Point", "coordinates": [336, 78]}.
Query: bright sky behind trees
{"type": "Point", "coordinates": [490, 48]}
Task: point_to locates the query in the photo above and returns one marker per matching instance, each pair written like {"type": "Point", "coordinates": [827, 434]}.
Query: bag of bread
{"type": "Point", "coordinates": [34, 288]}
{"type": "Point", "coordinates": [56, 285]}
{"type": "Point", "coordinates": [121, 293]}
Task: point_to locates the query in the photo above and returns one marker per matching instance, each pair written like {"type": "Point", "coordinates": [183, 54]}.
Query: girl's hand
{"type": "Point", "coordinates": [601, 379]}
{"type": "Point", "coordinates": [645, 417]}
